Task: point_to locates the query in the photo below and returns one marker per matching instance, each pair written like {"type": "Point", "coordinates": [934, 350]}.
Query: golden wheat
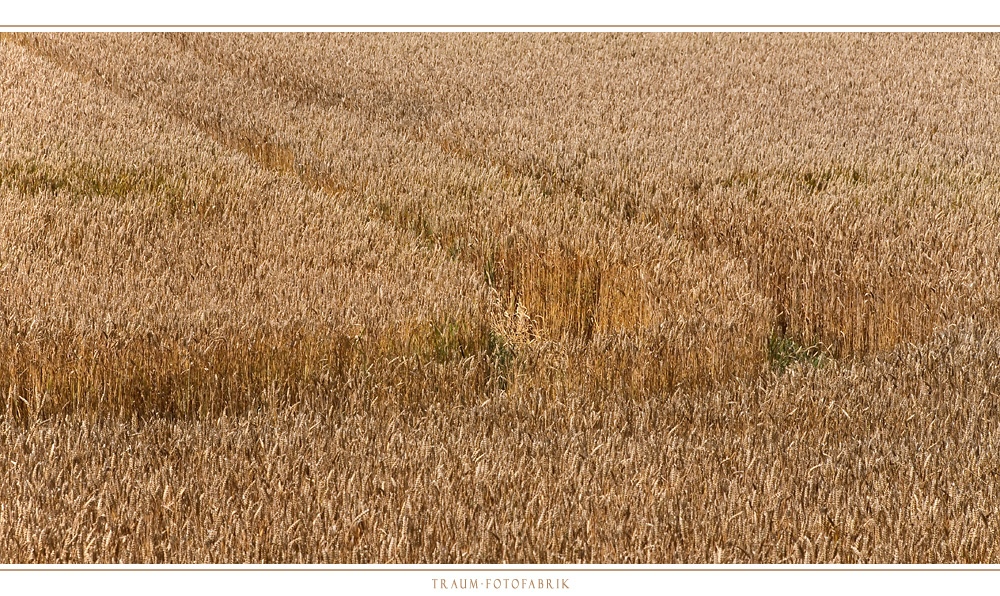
{"type": "Point", "coordinates": [498, 298]}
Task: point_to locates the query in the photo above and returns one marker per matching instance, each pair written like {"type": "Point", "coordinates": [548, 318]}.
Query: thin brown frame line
{"type": "Point", "coordinates": [819, 567]}
{"type": "Point", "coordinates": [2, 26]}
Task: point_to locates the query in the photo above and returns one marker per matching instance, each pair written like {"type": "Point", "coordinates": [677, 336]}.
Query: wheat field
{"type": "Point", "coordinates": [499, 298]}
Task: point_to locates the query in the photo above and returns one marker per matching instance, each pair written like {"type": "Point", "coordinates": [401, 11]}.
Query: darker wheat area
{"type": "Point", "coordinates": [574, 298]}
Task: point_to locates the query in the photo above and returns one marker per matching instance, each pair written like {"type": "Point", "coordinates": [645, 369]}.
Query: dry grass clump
{"type": "Point", "coordinates": [480, 298]}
